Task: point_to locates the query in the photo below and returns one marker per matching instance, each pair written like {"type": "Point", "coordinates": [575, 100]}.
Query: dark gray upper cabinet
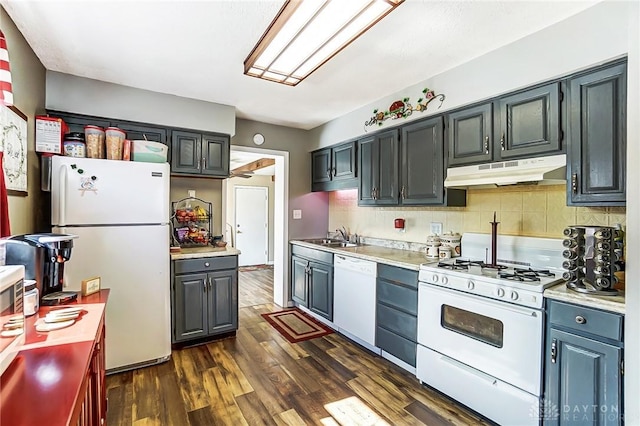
{"type": "Point", "coordinates": [334, 168]}
{"type": "Point", "coordinates": [186, 148]}
{"type": "Point", "coordinates": [422, 166]}
{"type": "Point", "coordinates": [378, 165]}
{"type": "Point", "coordinates": [215, 154]}
{"type": "Point", "coordinates": [202, 154]}
{"type": "Point", "coordinates": [321, 166]}
{"type": "Point", "coordinates": [136, 131]}
{"type": "Point", "coordinates": [520, 125]}
{"type": "Point", "coordinates": [470, 133]}
{"type": "Point", "coordinates": [596, 172]}
{"type": "Point", "coordinates": [528, 123]}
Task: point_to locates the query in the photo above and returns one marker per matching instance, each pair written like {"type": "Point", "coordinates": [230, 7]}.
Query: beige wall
{"type": "Point", "coordinates": [258, 181]}
{"type": "Point", "coordinates": [209, 190]}
{"type": "Point", "coordinates": [28, 75]}
{"type": "Point", "coordinates": [296, 142]}
{"type": "Point", "coordinates": [538, 211]}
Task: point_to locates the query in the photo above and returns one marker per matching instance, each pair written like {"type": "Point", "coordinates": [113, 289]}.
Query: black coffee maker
{"type": "Point", "coordinates": [43, 257]}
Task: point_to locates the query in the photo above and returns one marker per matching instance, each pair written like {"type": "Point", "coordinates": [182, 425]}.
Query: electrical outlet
{"type": "Point", "coordinates": [436, 228]}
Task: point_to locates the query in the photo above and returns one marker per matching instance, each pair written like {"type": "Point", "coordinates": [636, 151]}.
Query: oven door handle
{"type": "Point", "coordinates": [469, 370]}
{"type": "Point", "coordinates": [518, 310]}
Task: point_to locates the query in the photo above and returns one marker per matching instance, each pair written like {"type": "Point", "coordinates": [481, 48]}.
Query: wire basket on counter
{"type": "Point", "coordinates": [191, 222]}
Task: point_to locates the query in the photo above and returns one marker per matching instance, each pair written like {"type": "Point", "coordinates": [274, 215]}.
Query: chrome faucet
{"type": "Point", "coordinates": [343, 233]}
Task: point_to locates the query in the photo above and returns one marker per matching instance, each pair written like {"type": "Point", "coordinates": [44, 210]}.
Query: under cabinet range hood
{"type": "Point", "coordinates": [539, 170]}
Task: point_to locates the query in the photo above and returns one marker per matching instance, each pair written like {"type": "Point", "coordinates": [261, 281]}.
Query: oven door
{"type": "Point", "coordinates": [496, 338]}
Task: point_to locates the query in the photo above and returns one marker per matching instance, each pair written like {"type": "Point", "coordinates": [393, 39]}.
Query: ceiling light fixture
{"type": "Point", "coordinates": [307, 33]}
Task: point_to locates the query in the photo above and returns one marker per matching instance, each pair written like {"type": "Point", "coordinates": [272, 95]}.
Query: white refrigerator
{"type": "Point", "coordinates": [120, 212]}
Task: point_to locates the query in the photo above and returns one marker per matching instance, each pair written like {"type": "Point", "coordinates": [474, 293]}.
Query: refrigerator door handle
{"type": "Point", "coordinates": [62, 197]}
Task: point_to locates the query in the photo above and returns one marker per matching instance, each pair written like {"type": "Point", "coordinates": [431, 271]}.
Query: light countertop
{"type": "Point", "coordinates": [608, 303]}
{"type": "Point", "coordinates": [199, 252]}
{"type": "Point", "coordinates": [407, 259]}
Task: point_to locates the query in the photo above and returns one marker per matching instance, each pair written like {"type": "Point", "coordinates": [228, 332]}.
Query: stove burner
{"type": "Point", "coordinates": [453, 266]}
{"type": "Point", "coordinates": [518, 277]}
{"type": "Point", "coordinates": [534, 272]}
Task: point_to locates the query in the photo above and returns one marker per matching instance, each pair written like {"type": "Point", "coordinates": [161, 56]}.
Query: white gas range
{"type": "Point", "coordinates": [480, 327]}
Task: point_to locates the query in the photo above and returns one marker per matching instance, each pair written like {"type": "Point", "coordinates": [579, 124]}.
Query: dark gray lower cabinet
{"type": "Point", "coordinates": [583, 365]}
{"type": "Point", "coordinates": [396, 312]}
{"type": "Point", "coordinates": [312, 280]}
{"type": "Point", "coordinates": [204, 297]}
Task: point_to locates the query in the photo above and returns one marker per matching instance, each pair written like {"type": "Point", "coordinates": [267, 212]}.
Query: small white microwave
{"type": "Point", "coordinates": [12, 334]}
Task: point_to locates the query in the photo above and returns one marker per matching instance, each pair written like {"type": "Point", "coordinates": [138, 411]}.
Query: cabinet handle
{"type": "Point", "coordinates": [486, 144]}
{"type": "Point", "coordinates": [581, 320]}
{"type": "Point", "coordinates": [402, 192]}
{"type": "Point", "coordinates": [204, 285]}
{"type": "Point", "coordinates": [206, 264]}
{"type": "Point", "coordinates": [334, 172]}
{"type": "Point", "coordinates": [329, 173]}
{"type": "Point", "coordinates": [574, 183]}
{"type": "Point", "coordinates": [210, 283]}
{"type": "Point", "coordinates": [502, 141]}
{"type": "Point", "coordinates": [554, 350]}
{"type": "Point", "coordinates": [204, 163]}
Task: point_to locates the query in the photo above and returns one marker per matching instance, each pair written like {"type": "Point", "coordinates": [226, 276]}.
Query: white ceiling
{"type": "Point", "coordinates": [196, 49]}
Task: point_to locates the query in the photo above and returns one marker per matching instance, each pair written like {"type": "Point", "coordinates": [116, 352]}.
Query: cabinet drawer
{"type": "Point", "coordinates": [397, 322]}
{"type": "Point", "coordinates": [205, 264]}
{"type": "Point", "coordinates": [399, 275]}
{"type": "Point", "coordinates": [311, 254]}
{"type": "Point", "coordinates": [397, 296]}
{"type": "Point", "coordinates": [397, 346]}
{"type": "Point", "coordinates": [586, 320]}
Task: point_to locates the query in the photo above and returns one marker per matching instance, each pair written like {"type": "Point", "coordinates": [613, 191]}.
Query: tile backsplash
{"type": "Point", "coordinates": [527, 210]}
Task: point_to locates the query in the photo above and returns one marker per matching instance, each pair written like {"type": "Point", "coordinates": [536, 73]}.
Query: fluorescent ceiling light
{"type": "Point", "coordinates": [307, 33]}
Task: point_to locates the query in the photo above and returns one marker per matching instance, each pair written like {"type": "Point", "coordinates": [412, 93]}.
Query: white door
{"type": "Point", "coordinates": [252, 224]}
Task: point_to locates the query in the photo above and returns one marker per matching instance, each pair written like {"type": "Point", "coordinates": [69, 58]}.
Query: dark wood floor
{"type": "Point", "coordinates": [259, 378]}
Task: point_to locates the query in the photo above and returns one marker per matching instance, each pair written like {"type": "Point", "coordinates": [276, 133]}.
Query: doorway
{"type": "Point", "coordinates": [280, 202]}
{"type": "Point", "coordinates": [252, 225]}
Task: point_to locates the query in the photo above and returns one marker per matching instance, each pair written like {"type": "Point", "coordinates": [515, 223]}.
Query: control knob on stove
{"type": "Point", "coordinates": [444, 280]}
{"type": "Point", "coordinates": [471, 285]}
{"type": "Point", "coordinates": [434, 278]}
{"type": "Point", "coordinates": [500, 292]}
{"type": "Point", "coordinates": [514, 295]}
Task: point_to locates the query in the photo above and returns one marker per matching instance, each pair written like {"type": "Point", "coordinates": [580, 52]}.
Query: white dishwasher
{"type": "Point", "coordinates": [354, 299]}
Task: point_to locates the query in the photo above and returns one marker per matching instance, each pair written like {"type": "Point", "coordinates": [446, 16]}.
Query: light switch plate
{"type": "Point", "coordinates": [436, 228]}
{"type": "Point", "coordinates": [297, 214]}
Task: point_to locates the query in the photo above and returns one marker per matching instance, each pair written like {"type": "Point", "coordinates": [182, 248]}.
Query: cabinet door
{"type": "Point", "coordinates": [597, 138]}
{"type": "Point", "coordinates": [215, 155]}
{"type": "Point", "coordinates": [528, 123]}
{"type": "Point", "coordinates": [186, 152]}
{"type": "Point", "coordinates": [321, 289]}
{"type": "Point", "coordinates": [367, 158]}
{"type": "Point", "coordinates": [223, 301]}
{"type": "Point", "coordinates": [470, 135]}
{"type": "Point", "coordinates": [584, 383]}
{"type": "Point", "coordinates": [344, 161]}
{"type": "Point", "coordinates": [387, 190]}
{"type": "Point", "coordinates": [190, 306]}
{"type": "Point", "coordinates": [299, 280]}
{"type": "Point", "coordinates": [321, 166]}
{"type": "Point", "coordinates": [142, 132]}
{"type": "Point", "coordinates": [422, 163]}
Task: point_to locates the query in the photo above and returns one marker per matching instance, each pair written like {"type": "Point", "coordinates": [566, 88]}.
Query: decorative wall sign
{"type": "Point", "coordinates": [13, 142]}
{"type": "Point", "coordinates": [403, 109]}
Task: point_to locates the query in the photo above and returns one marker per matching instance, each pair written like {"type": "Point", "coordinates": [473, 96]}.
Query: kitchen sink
{"type": "Point", "coordinates": [327, 242]}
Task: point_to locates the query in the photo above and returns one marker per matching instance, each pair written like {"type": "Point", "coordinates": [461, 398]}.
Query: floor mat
{"type": "Point", "coordinates": [296, 326]}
